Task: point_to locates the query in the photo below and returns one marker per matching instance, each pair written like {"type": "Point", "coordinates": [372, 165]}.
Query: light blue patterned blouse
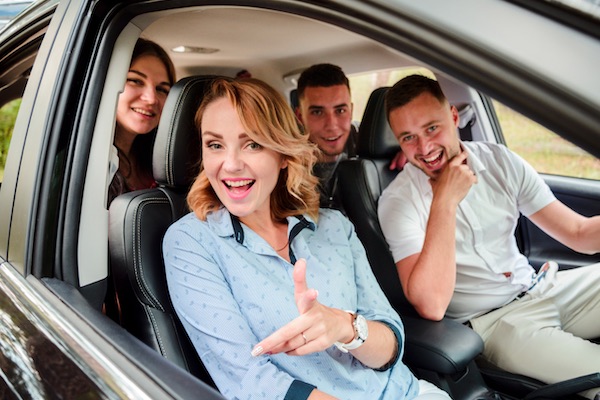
{"type": "Point", "coordinates": [230, 295]}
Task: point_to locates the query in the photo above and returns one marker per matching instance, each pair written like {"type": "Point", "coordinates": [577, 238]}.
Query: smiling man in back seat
{"type": "Point", "coordinates": [450, 218]}
{"type": "Point", "coordinates": [325, 111]}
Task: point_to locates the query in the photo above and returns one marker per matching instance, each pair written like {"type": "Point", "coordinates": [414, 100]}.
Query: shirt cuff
{"type": "Point", "coordinates": [299, 390]}
{"type": "Point", "coordinates": [396, 357]}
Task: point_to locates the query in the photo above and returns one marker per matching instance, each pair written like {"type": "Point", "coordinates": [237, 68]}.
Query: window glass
{"type": "Point", "coordinates": [8, 115]}
{"type": "Point", "coordinates": [361, 85]}
{"type": "Point", "coordinates": [547, 152]}
{"type": "Point", "coordinates": [9, 9]}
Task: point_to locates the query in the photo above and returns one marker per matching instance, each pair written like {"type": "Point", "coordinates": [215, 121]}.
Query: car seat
{"type": "Point", "coordinates": [138, 221]}
{"type": "Point", "coordinates": [442, 352]}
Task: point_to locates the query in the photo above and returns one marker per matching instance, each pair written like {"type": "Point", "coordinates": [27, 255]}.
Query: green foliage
{"type": "Point", "coordinates": [543, 149]}
{"type": "Point", "coordinates": [8, 115]}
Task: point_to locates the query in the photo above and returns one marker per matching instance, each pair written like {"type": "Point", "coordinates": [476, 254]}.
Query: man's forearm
{"type": "Point", "coordinates": [431, 284]}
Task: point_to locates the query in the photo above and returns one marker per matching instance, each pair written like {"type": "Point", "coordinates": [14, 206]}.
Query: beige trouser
{"type": "Point", "coordinates": [428, 391]}
{"type": "Point", "coordinates": [544, 334]}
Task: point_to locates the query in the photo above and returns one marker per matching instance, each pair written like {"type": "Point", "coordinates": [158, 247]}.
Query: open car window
{"type": "Point", "coordinates": [546, 151]}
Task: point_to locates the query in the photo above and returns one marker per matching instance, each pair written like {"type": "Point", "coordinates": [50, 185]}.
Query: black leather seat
{"type": "Point", "coordinates": [138, 221]}
{"type": "Point", "coordinates": [360, 183]}
{"type": "Point", "coordinates": [443, 352]}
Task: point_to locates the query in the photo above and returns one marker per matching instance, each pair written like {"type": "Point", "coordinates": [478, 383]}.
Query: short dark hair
{"type": "Point", "coordinates": [406, 89]}
{"type": "Point", "coordinates": [323, 75]}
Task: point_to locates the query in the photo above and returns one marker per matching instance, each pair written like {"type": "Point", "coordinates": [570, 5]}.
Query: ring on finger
{"type": "Point", "coordinates": [304, 337]}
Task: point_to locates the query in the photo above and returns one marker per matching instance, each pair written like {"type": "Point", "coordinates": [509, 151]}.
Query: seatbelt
{"type": "Point", "coordinates": [303, 223]}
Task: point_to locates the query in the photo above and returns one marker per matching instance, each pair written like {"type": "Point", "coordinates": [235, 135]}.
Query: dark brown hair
{"type": "Point", "coordinates": [321, 75]}
{"type": "Point", "coordinates": [408, 88]}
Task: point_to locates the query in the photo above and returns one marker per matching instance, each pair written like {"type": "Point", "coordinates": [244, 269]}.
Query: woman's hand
{"type": "Point", "coordinates": [317, 327]}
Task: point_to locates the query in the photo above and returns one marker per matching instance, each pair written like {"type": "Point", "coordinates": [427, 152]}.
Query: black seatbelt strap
{"type": "Point", "coordinates": [238, 232]}
{"type": "Point", "coordinates": [304, 223]}
{"type": "Point", "coordinates": [237, 229]}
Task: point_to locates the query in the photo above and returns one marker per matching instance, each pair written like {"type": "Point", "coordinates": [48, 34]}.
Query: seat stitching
{"type": "Point", "coordinates": [137, 255]}
{"type": "Point", "coordinates": [156, 331]}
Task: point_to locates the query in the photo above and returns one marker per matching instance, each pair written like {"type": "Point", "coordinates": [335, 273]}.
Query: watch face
{"type": "Point", "coordinates": [362, 329]}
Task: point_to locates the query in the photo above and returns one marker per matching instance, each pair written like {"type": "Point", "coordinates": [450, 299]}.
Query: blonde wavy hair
{"type": "Point", "coordinates": [270, 122]}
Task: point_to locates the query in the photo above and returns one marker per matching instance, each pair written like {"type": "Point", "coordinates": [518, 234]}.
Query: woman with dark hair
{"type": "Point", "coordinates": [276, 294]}
{"type": "Point", "coordinates": [149, 79]}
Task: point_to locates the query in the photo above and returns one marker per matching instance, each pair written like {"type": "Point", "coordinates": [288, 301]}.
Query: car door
{"type": "Point", "coordinates": [581, 195]}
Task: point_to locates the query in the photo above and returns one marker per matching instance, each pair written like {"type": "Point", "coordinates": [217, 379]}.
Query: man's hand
{"type": "Point", "coordinates": [317, 327]}
{"type": "Point", "coordinates": [455, 181]}
{"type": "Point", "coordinates": [398, 162]}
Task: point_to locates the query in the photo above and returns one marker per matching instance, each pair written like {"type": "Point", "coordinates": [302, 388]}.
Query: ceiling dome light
{"type": "Point", "coordinates": [192, 49]}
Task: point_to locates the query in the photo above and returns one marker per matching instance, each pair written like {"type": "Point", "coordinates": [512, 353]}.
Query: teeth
{"type": "Point", "coordinates": [431, 159]}
{"type": "Point", "coordinates": [238, 183]}
{"type": "Point", "coordinates": [144, 112]}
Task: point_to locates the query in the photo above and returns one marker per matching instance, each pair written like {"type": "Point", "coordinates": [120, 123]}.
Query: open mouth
{"type": "Point", "coordinates": [433, 161]}
{"type": "Point", "coordinates": [239, 186]}
{"type": "Point", "coordinates": [332, 139]}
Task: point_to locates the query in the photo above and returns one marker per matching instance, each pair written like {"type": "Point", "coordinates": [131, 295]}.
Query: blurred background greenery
{"type": "Point", "coordinates": [546, 151]}
{"type": "Point", "coordinates": [8, 114]}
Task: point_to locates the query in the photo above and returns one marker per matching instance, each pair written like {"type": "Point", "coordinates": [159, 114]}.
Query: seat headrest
{"type": "Point", "coordinates": [375, 137]}
{"type": "Point", "coordinates": [177, 150]}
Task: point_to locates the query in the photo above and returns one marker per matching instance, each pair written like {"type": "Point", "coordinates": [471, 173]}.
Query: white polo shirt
{"type": "Point", "coordinates": [490, 269]}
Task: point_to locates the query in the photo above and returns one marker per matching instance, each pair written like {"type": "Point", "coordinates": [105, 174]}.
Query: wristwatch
{"type": "Point", "coordinates": [361, 332]}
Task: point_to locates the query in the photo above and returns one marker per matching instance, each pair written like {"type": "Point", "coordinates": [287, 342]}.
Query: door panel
{"type": "Point", "coordinates": [581, 195]}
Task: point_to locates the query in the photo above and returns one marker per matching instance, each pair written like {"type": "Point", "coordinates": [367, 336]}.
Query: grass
{"type": "Point", "coordinates": [544, 150]}
{"type": "Point", "coordinates": [8, 115]}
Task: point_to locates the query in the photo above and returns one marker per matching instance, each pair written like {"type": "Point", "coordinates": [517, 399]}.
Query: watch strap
{"type": "Point", "coordinates": [356, 342]}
